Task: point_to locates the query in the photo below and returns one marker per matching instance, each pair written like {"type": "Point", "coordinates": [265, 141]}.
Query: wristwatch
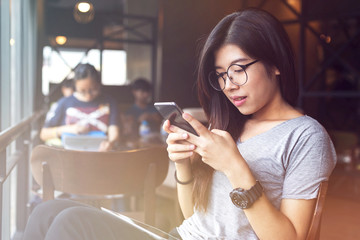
{"type": "Point", "coordinates": [245, 198]}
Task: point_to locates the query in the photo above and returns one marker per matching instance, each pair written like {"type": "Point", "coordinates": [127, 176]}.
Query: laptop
{"type": "Point", "coordinates": [82, 142]}
{"type": "Point", "coordinates": [153, 232]}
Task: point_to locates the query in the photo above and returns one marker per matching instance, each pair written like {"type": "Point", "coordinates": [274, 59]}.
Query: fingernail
{"type": "Point", "coordinates": [186, 116]}
{"type": "Point", "coordinates": [192, 147]}
{"type": "Point", "coordinates": [172, 128]}
{"type": "Point", "coordinates": [184, 135]}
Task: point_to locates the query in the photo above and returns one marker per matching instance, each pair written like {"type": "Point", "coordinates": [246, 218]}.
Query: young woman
{"type": "Point", "coordinates": [86, 111]}
{"type": "Point", "coordinates": [255, 173]}
{"type": "Point", "coordinates": [264, 152]}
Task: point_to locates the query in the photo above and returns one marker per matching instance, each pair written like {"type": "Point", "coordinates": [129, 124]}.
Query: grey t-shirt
{"type": "Point", "coordinates": [290, 160]}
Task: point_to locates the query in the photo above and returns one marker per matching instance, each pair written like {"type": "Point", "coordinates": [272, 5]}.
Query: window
{"type": "Point", "coordinates": [113, 67]}
{"type": "Point", "coordinates": [58, 65]}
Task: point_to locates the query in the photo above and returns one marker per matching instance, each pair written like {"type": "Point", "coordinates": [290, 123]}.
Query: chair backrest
{"type": "Point", "coordinates": [101, 173]}
{"type": "Point", "coordinates": [314, 230]}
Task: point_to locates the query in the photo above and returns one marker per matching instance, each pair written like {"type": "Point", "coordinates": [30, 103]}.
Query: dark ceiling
{"type": "Point", "coordinates": [59, 19]}
{"type": "Point", "coordinates": [99, 5]}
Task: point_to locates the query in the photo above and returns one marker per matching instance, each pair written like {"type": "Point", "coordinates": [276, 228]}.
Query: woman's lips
{"type": "Point", "coordinates": [238, 101]}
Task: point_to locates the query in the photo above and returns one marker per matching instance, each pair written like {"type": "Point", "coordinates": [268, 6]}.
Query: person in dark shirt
{"type": "Point", "coordinates": [87, 111]}
{"type": "Point", "coordinates": [141, 110]}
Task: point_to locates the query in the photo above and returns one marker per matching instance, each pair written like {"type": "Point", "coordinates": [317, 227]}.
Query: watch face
{"type": "Point", "coordinates": [244, 204]}
{"type": "Point", "coordinates": [239, 201]}
{"type": "Point", "coordinates": [245, 198]}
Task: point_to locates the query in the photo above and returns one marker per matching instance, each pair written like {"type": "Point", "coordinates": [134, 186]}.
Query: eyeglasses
{"type": "Point", "coordinates": [235, 72]}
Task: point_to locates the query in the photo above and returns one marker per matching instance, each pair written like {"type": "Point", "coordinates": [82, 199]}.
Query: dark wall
{"type": "Point", "coordinates": [186, 23]}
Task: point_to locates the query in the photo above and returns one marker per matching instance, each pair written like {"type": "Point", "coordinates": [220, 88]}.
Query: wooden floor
{"type": "Point", "coordinates": [341, 214]}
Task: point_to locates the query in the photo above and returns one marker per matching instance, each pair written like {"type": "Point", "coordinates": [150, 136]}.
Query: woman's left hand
{"type": "Point", "coordinates": [216, 147]}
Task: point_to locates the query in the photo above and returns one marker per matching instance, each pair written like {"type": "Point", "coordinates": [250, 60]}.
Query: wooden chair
{"type": "Point", "coordinates": [101, 173]}
{"type": "Point", "coordinates": [314, 231]}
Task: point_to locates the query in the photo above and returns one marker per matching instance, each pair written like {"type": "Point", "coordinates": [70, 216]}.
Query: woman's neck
{"type": "Point", "coordinates": [276, 110]}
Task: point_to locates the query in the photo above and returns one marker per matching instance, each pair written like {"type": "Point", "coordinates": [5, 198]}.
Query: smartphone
{"type": "Point", "coordinates": [171, 111]}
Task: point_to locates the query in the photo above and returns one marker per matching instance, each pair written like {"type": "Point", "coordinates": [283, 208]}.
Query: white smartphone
{"type": "Point", "coordinates": [171, 111]}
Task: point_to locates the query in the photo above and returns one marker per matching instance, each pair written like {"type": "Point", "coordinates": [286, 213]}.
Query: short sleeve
{"type": "Point", "coordinates": [56, 114]}
{"type": "Point", "coordinates": [310, 161]}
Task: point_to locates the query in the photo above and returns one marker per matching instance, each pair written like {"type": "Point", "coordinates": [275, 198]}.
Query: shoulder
{"type": "Point", "coordinates": [305, 125]}
{"type": "Point", "coordinates": [303, 134]}
{"type": "Point", "coordinates": [309, 147]}
{"type": "Point", "coordinates": [308, 135]}
{"type": "Point", "coordinates": [65, 101]}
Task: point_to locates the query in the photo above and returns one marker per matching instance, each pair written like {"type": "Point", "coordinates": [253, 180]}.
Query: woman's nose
{"type": "Point", "coordinates": [229, 84]}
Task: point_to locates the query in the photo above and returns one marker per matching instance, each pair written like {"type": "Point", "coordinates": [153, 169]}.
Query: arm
{"type": "Point", "coordinates": [48, 133]}
{"type": "Point", "coordinates": [113, 137]}
{"type": "Point", "coordinates": [180, 152]}
{"type": "Point", "coordinates": [184, 173]}
{"type": "Point", "coordinates": [290, 222]}
{"type": "Point", "coordinates": [55, 132]}
{"type": "Point", "coordinates": [113, 132]}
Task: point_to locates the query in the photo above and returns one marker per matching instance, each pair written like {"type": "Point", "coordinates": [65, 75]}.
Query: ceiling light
{"type": "Point", "coordinates": [326, 38]}
{"type": "Point", "coordinates": [84, 12]}
{"type": "Point", "coordinates": [83, 7]}
{"type": "Point", "coordinates": [61, 40]}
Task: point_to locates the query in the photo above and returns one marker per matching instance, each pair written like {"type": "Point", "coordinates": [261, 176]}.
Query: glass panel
{"type": "Point", "coordinates": [114, 67]}
{"type": "Point", "coordinates": [13, 197]}
{"type": "Point", "coordinates": [5, 64]}
{"type": "Point", "coordinates": [57, 65]}
{"type": "Point", "coordinates": [93, 58]}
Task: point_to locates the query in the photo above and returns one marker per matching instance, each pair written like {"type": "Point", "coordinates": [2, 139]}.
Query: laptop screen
{"type": "Point", "coordinates": [154, 232]}
{"type": "Point", "coordinates": [82, 142]}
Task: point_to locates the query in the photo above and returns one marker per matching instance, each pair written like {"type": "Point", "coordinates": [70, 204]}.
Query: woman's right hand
{"type": "Point", "coordinates": [179, 149]}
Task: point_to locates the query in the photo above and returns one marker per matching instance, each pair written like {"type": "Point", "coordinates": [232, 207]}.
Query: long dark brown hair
{"type": "Point", "coordinates": [261, 36]}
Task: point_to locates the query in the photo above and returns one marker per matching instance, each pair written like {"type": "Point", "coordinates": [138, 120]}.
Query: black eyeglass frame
{"type": "Point", "coordinates": [244, 67]}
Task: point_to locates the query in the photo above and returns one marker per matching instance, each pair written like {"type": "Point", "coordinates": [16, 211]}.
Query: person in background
{"type": "Point", "coordinates": [255, 173]}
{"type": "Point", "coordinates": [67, 87]}
{"type": "Point", "coordinates": [86, 111]}
{"type": "Point", "coordinates": [142, 110]}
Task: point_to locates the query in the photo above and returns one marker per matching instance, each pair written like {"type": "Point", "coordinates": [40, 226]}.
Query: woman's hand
{"type": "Point", "coordinates": [178, 148]}
{"type": "Point", "coordinates": [216, 147]}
